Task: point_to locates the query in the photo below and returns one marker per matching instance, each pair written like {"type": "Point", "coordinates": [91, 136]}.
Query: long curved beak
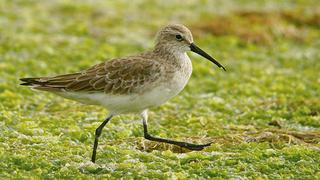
{"type": "Point", "coordinates": [199, 51]}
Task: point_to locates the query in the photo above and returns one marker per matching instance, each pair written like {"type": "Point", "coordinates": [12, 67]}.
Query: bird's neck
{"type": "Point", "coordinates": [171, 55]}
{"type": "Point", "coordinates": [174, 62]}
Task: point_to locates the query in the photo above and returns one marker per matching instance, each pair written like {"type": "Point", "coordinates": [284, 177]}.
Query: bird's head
{"type": "Point", "coordinates": [178, 38]}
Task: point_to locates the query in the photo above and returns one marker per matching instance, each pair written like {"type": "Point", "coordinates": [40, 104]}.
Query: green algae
{"type": "Point", "coordinates": [272, 76]}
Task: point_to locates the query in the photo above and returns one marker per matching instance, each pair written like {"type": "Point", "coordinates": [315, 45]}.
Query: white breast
{"type": "Point", "coordinates": [182, 76]}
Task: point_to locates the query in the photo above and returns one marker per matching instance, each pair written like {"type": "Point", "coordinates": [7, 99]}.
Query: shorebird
{"type": "Point", "coordinates": [132, 84]}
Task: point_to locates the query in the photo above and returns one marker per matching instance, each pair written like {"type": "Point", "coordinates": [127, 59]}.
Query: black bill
{"type": "Point", "coordinates": [199, 51]}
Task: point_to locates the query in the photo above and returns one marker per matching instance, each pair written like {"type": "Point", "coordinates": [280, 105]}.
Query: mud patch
{"type": "Point", "coordinates": [260, 27]}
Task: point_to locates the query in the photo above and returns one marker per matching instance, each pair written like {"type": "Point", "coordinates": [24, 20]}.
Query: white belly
{"type": "Point", "coordinates": [119, 104]}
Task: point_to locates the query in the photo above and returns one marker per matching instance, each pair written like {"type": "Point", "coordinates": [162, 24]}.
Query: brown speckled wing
{"type": "Point", "coordinates": [118, 76]}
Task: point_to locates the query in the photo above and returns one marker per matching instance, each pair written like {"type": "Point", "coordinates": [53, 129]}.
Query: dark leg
{"type": "Point", "coordinates": [97, 135]}
{"type": "Point", "coordinates": [196, 147]}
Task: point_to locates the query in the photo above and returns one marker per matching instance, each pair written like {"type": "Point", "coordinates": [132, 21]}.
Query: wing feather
{"type": "Point", "coordinates": [118, 76]}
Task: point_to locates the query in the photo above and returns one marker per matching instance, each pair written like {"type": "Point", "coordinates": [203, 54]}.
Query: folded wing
{"type": "Point", "coordinates": [119, 76]}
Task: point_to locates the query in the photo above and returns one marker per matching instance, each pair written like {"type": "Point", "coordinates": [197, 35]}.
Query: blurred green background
{"type": "Point", "coordinates": [263, 114]}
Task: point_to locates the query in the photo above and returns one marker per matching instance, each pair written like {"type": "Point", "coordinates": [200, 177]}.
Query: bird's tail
{"type": "Point", "coordinates": [39, 84]}
{"type": "Point", "coordinates": [31, 82]}
{"type": "Point", "coordinates": [53, 84]}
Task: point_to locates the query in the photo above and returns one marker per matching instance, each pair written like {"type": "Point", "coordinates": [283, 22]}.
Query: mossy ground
{"type": "Point", "coordinates": [263, 114]}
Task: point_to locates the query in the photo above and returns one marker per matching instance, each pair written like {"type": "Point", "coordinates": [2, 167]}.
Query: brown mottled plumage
{"type": "Point", "coordinates": [134, 83]}
{"type": "Point", "coordinates": [118, 76]}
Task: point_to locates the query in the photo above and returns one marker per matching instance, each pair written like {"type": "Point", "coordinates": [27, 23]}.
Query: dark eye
{"type": "Point", "coordinates": [179, 37]}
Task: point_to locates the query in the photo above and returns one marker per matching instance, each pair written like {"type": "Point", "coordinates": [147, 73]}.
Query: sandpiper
{"type": "Point", "coordinates": [132, 84]}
